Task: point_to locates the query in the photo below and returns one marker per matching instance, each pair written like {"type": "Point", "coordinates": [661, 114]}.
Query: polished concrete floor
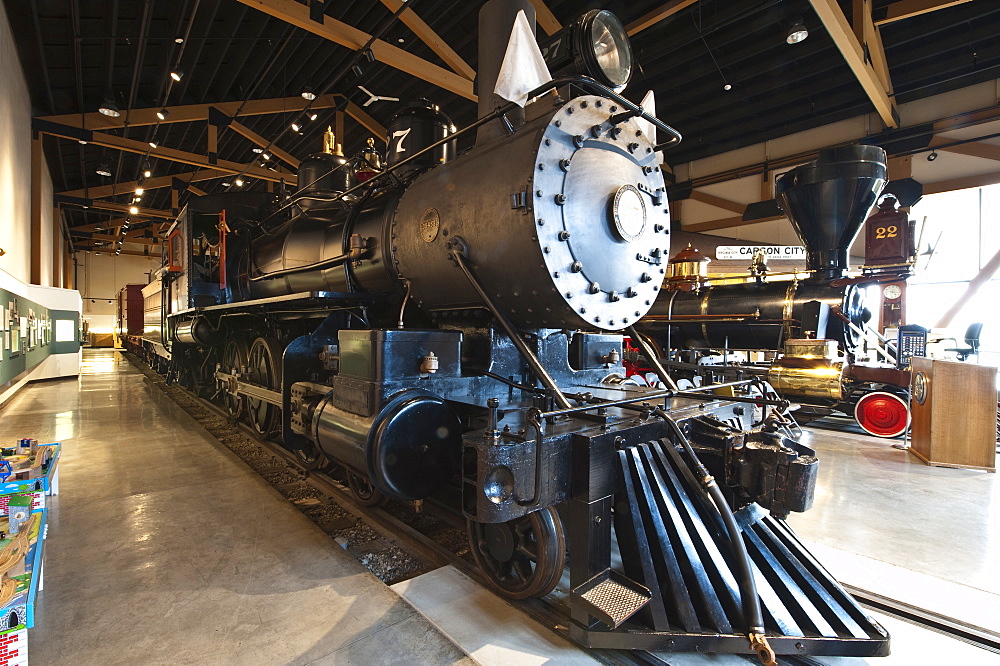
{"type": "Point", "coordinates": [882, 502]}
{"type": "Point", "coordinates": [165, 548]}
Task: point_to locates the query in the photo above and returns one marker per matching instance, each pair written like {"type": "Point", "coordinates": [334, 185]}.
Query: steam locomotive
{"type": "Point", "coordinates": [448, 327]}
{"type": "Point", "coordinates": [815, 323]}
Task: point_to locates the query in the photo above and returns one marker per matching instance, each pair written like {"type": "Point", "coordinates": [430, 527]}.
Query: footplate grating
{"type": "Point", "coordinates": [611, 597]}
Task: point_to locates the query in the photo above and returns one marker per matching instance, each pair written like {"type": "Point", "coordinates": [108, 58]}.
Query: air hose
{"type": "Point", "coordinates": [744, 573]}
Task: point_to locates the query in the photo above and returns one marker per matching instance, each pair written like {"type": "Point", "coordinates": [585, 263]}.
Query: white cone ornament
{"type": "Point", "coordinates": [649, 129]}
{"type": "Point", "coordinates": [523, 67]}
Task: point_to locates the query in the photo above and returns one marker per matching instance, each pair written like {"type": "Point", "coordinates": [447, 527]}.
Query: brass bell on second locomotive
{"type": "Point", "coordinates": [688, 270]}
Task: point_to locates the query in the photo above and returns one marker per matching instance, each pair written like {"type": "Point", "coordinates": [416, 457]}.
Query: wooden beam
{"type": "Point", "coordinates": [245, 131]}
{"type": "Point", "coordinates": [199, 112]}
{"type": "Point", "coordinates": [727, 223]}
{"type": "Point", "coordinates": [147, 184]}
{"type": "Point", "coordinates": [35, 212]}
{"type": "Point", "coordinates": [652, 18]}
{"type": "Point", "coordinates": [109, 250]}
{"type": "Point", "coordinates": [369, 123]}
{"type": "Point", "coordinates": [114, 239]}
{"type": "Point", "coordinates": [975, 284]}
{"type": "Point", "coordinates": [172, 154]}
{"type": "Point", "coordinates": [201, 193]}
{"type": "Point", "coordinates": [336, 31]}
{"type": "Point", "coordinates": [193, 112]}
{"type": "Point", "coordinates": [905, 9]}
{"type": "Point", "coordinates": [431, 39]}
{"type": "Point", "coordinates": [718, 202]}
{"type": "Point", "coordinates": [962, 183]}
{"type": "Point", "coordinates": [123, 208]}
{"type": "Point", "coordinates": [545, 18]}
{"type": "Point", "coordinates": [843, 36]}
{"type": "Point", "coordinates": [98, 226]}
{"type": "Point", "coordinates": [987, 151]}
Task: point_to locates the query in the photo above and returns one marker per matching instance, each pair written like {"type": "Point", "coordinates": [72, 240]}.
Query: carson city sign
{"type": "Point", "coordinates": [729, 252]}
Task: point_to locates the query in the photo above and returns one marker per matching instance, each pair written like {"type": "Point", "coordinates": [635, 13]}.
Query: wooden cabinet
{"type": "Point", "coordinates": [954, 407]}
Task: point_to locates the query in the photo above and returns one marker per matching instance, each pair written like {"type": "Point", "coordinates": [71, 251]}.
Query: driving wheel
{"type": "Point", "coordinates": [264, 369]}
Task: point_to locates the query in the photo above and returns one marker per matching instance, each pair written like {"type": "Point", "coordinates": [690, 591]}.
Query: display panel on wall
{"type": "Point", "coordinates": [30, 332]}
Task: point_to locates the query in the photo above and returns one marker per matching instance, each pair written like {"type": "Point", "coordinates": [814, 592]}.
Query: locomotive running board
{"type": "Point", "coordinates": [673, 542]}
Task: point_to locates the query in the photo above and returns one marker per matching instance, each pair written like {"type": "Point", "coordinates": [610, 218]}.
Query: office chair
{"type": "Point", "coordinates": [971, 340]}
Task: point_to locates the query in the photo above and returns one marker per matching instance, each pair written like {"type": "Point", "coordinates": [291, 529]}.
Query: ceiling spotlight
{"type": "Point", "coordinates": [177, 73]}
{"type": "Point", "coordinates": [308, 94]}
{"type": "Point", "coordinates": [296, 127]}
{"type": "Point", "coordinates": [162, 114]}
{"type": "Point", "coordinates": [178, 40]}
{"type": "Point", "coordinates": [139, 191]}
{"type": "Point", "coordinates": [313, 116]}
{"type": "Point", "coordinates": [265, 156]}
{"type": "Point", "coordinates": [109, 108]}
{"type": "Point", "coordinates": [104, 169]}
{"type": "Point", "coordinates": [152, 144]}
{"type": "Point", "coordinates": [133, 209]}
{"type": "Point", "coordinates": [147, 173]}
{"type": "Point", "coordinates": [727, 87]}
{"type": "Point", "coordinates": [226, 183]}
{"type": "Point", "coordinates": [239, 182]}
{"type": "Point", "coordinates": [82, 142]}
{"type": "Point", "coordinates": [933, 156]}
{"type": "Point", "coordinates": [797, 32]}
{"type": "Point", "coordinates": [257, 150]}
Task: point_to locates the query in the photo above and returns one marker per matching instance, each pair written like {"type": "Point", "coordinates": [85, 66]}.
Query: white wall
{"type": "Point", "coordinates": [15, 159]}
{"type": "Point", "coordinates": [15, 169]}
{"type": "Point", "coordinates": [99, 279]}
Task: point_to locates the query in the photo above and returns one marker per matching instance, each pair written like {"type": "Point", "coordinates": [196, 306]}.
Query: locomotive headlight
{"type": "Point", "coordinates": [596, 44]}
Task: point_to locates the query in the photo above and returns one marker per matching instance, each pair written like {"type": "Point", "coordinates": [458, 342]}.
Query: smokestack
{"type": "Point", "coordinates": [828, 199]}
{"type": "Point", "coordinates": [496, 19]}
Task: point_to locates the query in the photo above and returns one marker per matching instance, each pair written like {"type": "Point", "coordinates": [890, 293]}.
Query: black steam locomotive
{"type": "Point", "coordinates": [450, 330]}
{"type": "Point", "coordinates": [816, 323]}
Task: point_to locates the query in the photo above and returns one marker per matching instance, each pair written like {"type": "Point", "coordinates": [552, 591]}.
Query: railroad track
{"type": "Point", "coordinates": [431, 553]}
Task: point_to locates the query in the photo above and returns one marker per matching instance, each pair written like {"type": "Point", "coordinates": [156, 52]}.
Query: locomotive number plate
{"type": "Point", "coordinates": [430, 225]}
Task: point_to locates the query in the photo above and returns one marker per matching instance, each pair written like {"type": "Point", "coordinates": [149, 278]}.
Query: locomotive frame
{"type": "Point", "coordinates": [458, 339]}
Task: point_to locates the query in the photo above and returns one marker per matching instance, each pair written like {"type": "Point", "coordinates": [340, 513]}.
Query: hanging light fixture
{"type": "Point", "coordinates": [162, 114]}
{"type": "Point", "coordinates": [295, 126]}
{"type": "Point", "coordinates": [177, 73]}
{"type": "Point", "coordinates": [152, 144]}
{"type": "Point", "coordinates": [239, 182]}
{"type": "Point", "coordinates": [134, 210]}
{"type": "Point", "coordinates": [139, 191]}
{"type": "Point", "coordinates": [147, 170]}
{"type": "Point", "coordinates": [104, 169]}
{"type": "Point", "coordinates": [797, 32]}
{"type": "Point", "coordinates": [308, 94]}
{"type": "Point", "coordinates": [109, 108]}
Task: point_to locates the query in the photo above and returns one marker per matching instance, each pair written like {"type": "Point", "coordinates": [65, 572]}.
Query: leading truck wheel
{"type": "Point", "coordinates": [882, 414]}
{"type": "Point", "coordinates": [523, 557]}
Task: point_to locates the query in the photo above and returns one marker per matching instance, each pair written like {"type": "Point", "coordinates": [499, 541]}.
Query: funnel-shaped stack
{"type": "Point", "coordinates": [828, 199]}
